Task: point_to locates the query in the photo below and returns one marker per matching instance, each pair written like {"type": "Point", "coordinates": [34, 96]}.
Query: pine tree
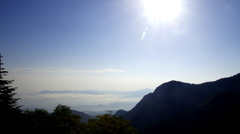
{"type": "Point", "coordinates": [7, 102]}
{"type": "Point", "coordinates": [10, 113]}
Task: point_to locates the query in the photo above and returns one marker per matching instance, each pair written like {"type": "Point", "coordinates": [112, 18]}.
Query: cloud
{"type": "Point", "coordinates": [93, 92]}
{"type": "Point", "coordinates": [66, 96]}
{"type": "Point", "coordinates": [83, 99]}
{"type": "Point", "coordinates": [124, 94]}
{"type": "Point", "coordinates": [116, 105]}
{"type": "Point", "coordinates": [64, 70]}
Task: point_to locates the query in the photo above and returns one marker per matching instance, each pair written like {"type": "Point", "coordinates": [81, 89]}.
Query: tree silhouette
{"type": "Point", "coordinates": [7, 102]}
{"type": "Point", "coordinates": [37, 121]}
{"type": "Point", "coordinates": [9, 109]}
{"type": "Point", "coordinates": [61, 121]}
{"type": "Point", "coordinates": [64, 122]}
{"type": "Point", "coordinates": [109, 124]}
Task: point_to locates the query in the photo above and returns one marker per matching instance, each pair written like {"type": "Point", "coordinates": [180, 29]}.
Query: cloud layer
{"type": "Point", "coordinates": [64, 70]}
{"type": "Point", "coordinates": [93, 100]}
{"type": "Point", "coordinates": [125, 94]}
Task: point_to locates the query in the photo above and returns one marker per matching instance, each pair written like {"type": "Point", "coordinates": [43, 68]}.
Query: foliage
{"type": "Point", "coordinates": [109, 124]}
{"type": "Point", "coordinates": [37, 121]}
{"type": "Point", "coordinates": [66, 122]}
{"type": "Point", "coordinates": [61, 121]}
{"type": "Point", "coordinates": [9, 109]}
{"type": "Point", "coordinates": [7, 102]}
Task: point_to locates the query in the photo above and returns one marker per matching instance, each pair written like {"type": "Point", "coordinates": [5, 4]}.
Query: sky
{"type": "Point", "coordinates": [112, 46]}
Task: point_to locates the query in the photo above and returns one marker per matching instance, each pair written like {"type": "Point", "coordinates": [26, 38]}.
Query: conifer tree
{"type": "Point", "coordinates": [10, 113]}
{"type": "Point", "coordinates": [8, 103]}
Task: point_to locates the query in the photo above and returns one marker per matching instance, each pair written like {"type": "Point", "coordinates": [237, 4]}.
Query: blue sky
{"type": "Point", "coordinates": [98, 45]}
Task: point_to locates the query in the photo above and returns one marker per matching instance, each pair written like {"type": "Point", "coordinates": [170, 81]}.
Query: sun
{"type": "Point", "coordinates": [162, 9]}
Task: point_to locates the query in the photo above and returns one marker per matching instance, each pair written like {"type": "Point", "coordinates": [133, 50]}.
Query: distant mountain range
{"type": "Point", "coordinates": [173, 98]}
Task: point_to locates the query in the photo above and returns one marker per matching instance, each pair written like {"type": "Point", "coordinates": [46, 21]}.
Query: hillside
{"type": "Point", "coordinates": [120, 113]}
{"type": "Point", "coordinates": [173, 98]}
{"type": "Point", "coordinates": [84, 116]}
{"type": "Point", "coordinates": [218, 114]}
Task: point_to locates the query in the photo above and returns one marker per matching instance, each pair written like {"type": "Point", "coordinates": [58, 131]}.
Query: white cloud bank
{"type": "Point", "coordinates": [64, 70]}
{"type": "Point", "coordinates": [92, 100]}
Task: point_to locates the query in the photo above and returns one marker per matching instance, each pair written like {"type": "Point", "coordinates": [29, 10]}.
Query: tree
{"type": "Point", "coordinates": [109, 124]}
{"type": "Point", "coordinates": [7, 102]}
{"type": "Point", "coordinates": [9, 109]}
{"type": "Point", "coordinates": [61, 121]}
{"type": "Point", "coordinates": [64, 122]}
{"type": "Point", "coordinates": [37, 121]}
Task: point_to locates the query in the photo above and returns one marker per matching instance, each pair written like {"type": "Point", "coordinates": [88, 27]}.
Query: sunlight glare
{"type": "Point", "coordinates": [162, 9]}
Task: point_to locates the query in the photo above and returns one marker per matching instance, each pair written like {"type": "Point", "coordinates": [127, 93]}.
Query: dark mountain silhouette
{"type": "Point", "coordinates": [120, 113]}
{"type": "Point", "coordinates": [174, 97]}
{"type": "Point", "coordinates": [218, 114]}
{"type": "Point", "coordinates": [84, 116]}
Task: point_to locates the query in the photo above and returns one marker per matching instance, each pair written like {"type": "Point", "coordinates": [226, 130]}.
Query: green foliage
{"type": "Point", "coordinates": [37, 121]}
{"type": "Point", "coordinates": [61, 111]}
{"type": "Point", "coordinates": [109, 124]}
{"type": "Point", "coordinates": [65, 122]}
{"type": "Point", "coordinates": [61, 121]}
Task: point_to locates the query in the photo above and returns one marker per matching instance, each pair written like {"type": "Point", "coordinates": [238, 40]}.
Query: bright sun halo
{"type": "Point", "coordinates": [162, 9]}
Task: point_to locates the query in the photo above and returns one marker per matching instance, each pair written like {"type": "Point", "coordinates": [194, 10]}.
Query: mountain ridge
{"type": "Point", "coordinates": [84, 116]}
{"type": "Point", "coordinates": [217, 114]}
{"type": "Point", "coordinates": [174, 97]}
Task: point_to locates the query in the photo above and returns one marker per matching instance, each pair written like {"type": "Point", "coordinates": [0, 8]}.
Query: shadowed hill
{"type": "Point", "coordinates": [120, 113]}
{"type": "Point", "coordinates": [218, 114]}
{"type": "Point", "coordinates": [84, 116]}
{"type": "Point", "coordinates": [172, 98]}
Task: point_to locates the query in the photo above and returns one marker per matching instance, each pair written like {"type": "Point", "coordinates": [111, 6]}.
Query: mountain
{"type": "Point", "coordinates": [120, 113]}
{"type": "Point", "coordinates": [84, 116]}
{"type": "Point", "coordinates": [218, 114]}
{"type": "Point", "coordinates": [173, 98]}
